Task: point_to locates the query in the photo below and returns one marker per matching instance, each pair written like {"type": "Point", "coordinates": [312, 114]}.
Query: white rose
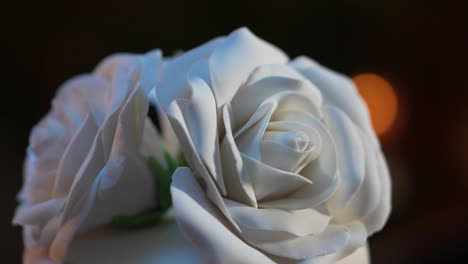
{"type": "Point", "coordinates": [285, 167]}
{"type": "Point", "coordinates": [87, 158]}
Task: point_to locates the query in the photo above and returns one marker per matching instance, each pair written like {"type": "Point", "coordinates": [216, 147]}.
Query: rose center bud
{"type": "Point", "coordinates": [286, 150]}
{"type": "Point", "coordinates": [301, 141]}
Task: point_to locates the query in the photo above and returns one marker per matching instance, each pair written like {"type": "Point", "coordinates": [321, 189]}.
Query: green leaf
{"type": "Point", "coordinates": [181, 160]}
{"type": "Point", "coordinates": [163, 180]}
{"type": "Point", "coordinates": [138, 221]}
{"type": "Point", "coordinates": [171, 163]}
{"type": "Point", "coordinates": [165, 200]}
{"type": "Point", "coordinates": [156, 166]}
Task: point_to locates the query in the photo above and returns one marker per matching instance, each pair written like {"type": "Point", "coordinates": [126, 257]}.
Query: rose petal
{"type": "Point", "coordinates": [360, 256]}
{"type": "Point", "coordinates": [292, 93]}
{"type": "Point", "coordinates": [36, 256]}
{"type": "Point", "coordinates": [368, 196]}
{"type": "Point", "coordinates": [377, 219]}
{"type": "Point", "coordinates": [170, 141]}
{"type": "Point", "coordinates": [357, 239]}
{"type": "Point", "coordinates": [89, 170]}
{"type": "Point", "coordinates": [282, 244]}
{"type": "Point", "coordinates": [131, 122]}
{"type": "Point", "coordinates": [37, 214]}
{"type": "Point", "coordinates": [47, 141]}
{"type": "Point", "coordinates": [173, 84]}
{"type": "Point", "coordinates": [110, 65]}
{"type": "Point", "coordinates": [74, 156]}
{"type": "Point", "coordinates": [131, 73]}
{"type": "Point", "coordinates": [69, 115]}
{"type": "Point", "coordinates": [299, 223]}
{"type": "Point", "coordinates": [37, 187]}
{"type": "Point", "coordinates": [151, 67]}
{"type": "Point", "coordinates": [204, 225]}
{"type": "Point", "coordinates": [249, 137]}
{"type": "Point", "coordinates": [270, 183]}
{"type": "Point", "coordinates": [350, 154]}
{"type": "Point", "coordinates": [198, 114]}
{"type": "Point", "coordinates": [273, 70]}
{"type": "Point", "coordinates": [123, 82]}
{"type": "Point", "coordinates": [80, 95]}
{"type": "Point", "coordinates": [235, 58]}
{"type": "Point", "coordinates": [238, 183]}
{"type": "Point", "coordinates": [60, 231]}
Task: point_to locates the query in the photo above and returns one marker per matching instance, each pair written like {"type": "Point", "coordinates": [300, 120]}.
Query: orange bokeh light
{"type": "Point", "coordinates": [381, 99]}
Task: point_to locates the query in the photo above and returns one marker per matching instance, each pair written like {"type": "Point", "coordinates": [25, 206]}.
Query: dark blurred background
{"type": "Point", "coordinates": [415, 51]}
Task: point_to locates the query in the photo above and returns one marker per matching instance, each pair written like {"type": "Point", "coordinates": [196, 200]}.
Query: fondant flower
{"type": "Point", "coordinates": [284, 164]}
{"type": "Point", "coordinates": [87, 158]}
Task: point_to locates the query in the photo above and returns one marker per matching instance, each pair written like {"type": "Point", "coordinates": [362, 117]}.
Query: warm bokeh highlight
{"type": "Point", "coordinates": [381, 99]}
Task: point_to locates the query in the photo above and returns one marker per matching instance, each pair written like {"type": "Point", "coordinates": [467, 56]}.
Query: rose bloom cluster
{"type": "Point", "coordinates": [281, 162]}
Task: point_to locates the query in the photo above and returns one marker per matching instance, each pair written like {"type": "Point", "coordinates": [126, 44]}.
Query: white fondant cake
{"type": "Point", "coordinates": [161, 244]}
